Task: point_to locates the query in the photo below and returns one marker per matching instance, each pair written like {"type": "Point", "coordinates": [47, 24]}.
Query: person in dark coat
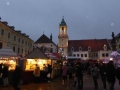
{"type": "Point", "coordinates": [49, 72]}
{"type": "Point", "coordinates": [16, 77]}
{"type": "Point", "coordinates": [103, 74]}
{"type": "Point", "coordinates": [5, 76]}
{"type": "Point", "coordinates": [95, 75]}
{"type": "Point", "coordinates": [110, 72]}
{"type": "Point", "coordinates": [79, 75]}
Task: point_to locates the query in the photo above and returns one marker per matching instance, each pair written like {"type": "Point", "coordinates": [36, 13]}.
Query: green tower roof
{"type": "Point", "coordinates": [63, 23]}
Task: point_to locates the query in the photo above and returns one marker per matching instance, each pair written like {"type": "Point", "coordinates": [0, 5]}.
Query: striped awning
{"type": "Point", "coordinates": [7, 52]}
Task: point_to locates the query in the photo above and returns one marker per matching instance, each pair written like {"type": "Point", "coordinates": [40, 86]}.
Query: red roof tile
{"type": "Point", "coordinates": [94, 44]}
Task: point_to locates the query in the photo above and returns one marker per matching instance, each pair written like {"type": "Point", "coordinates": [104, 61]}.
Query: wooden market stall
{"type": "Point", "coordinates": [9, 58]}
{"type": "Point", "coordinates": [34, 57]}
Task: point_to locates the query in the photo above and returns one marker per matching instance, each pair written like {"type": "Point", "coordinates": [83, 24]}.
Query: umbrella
{"type": "Point", "coordinates": [115, 56]}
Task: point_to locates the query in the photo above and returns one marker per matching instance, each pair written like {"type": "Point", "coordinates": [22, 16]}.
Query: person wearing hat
{"type": "Point", "coordinates": [110, 72]}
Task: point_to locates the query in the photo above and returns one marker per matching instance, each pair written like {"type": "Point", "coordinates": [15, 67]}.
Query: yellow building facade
{"type": "Point", "coordinates": [16, 40]}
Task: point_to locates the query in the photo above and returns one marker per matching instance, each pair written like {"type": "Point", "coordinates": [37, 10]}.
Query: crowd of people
{"type": "Point", "coordinates": [106, 72]}
{"type": "Point", "coordinates": [74, 71]}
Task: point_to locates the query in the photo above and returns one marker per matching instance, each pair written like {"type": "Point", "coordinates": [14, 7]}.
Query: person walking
{"type": "Point", "coordinates": [103, 74]}
{"type": "Point", "coordinates": [110, 72]}
{"type": "Point", "coordinates": [37, 73]}
{"type": "Point", "coordinates": [70, 71]}
{"type": "Point", "coordinates": [5, 75]}
{"type": "Point", "coordinates": [95, 75]}
{"type": "Point", "coordinates": [64, 73]}
{"type": "Point", "coordinates": [16, 77]}
{"type": "Point", "coordinates": [79, 75]}
{"type": "Point", "coordinates": [49, 72]}
{"type": "Point", "coordinates": [74, 75]}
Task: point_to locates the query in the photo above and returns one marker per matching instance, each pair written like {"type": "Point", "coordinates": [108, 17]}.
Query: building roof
{"type": "Point", "coordinates": [63, 23]}
{"type": "Point", "coordinates": [44, 39]}
{"type": "Point", "coordinates": [94, 44]}
{"type": "Point", "coordinates": [35, 54]}
{"type": "Point", "coordinates": [13, 29]}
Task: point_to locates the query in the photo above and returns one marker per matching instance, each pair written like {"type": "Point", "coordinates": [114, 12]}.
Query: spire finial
{"type": "Point", "coordinates": [63, 16]}
{"type": "Point", "coordinates": [43, 32]}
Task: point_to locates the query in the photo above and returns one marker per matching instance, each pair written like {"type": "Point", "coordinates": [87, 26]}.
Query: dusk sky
{"type": "Point", "coordinates": [86, 19]}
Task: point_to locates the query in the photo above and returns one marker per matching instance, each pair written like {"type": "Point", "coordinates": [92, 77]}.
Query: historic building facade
{"type": "Point", "coordinates": [46, 44]}
{"type": "Point", "coordinates": [118, 42]}
{"type": "Point", "coordinates": [95, 49]}
{"type": "Point", "coordinates": [15, 39]}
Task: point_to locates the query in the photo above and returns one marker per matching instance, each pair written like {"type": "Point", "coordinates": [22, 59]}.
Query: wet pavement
{"type": "Point", "coordinates": [57, 85]}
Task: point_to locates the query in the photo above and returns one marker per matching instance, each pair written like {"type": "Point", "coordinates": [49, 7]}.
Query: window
{"type": "Point", "coordinates": [51, 50]}
{"type": "Point", "coordinates": [105, 47]}
{"type": "Point", "coordinates": [106, 54]}
{"type": "Point", "coordinates": [18, 50]}
{"type": "Point", "coordinates": [80, 49]}
{"type": "Point", "coordinates": [78, 55]}
{"type": "Point", "coordinates": [72, 49]}
{"type": "Point", "coordinates": [14, 48]}
{"type": "Point", "coordinates": [26, 42]}
{"type": "Point", "coordinates": [19, 40]}
{"type": "Point", "coordinates": [74, 55]}
{"type": "Point", "coordinates": [96, 55]}
{"type": "Point", "coordinates": [51, 45]}
{"type": "Point", "coordinates": [103, 55]}
{"type": "Point", "coordinates": [22, 50]}
{"type": "Point", "coordinates": [2, 32]}
{"type": "Point", "coordinates": [14, 38]}
{"type": "Point", "coordinates": [85, 55]}
{"type": "Point", "coordinates": [119, 46]}
{"type": "Point", "coordinates": [9, 35]}
{"type": "Point", "coordinates": [22, 41]}
{"type": "Point", "coordinates": [89, 49]}
{"type": "Point", "coordinates": [81, 55]}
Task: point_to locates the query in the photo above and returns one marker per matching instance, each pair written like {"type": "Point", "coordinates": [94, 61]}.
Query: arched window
{"type": "Point", "coordinates": [89, 48]}
{"type": "Point", "coordinates": [105, 47]}
{"type": "Point", "coordinates": [72, 49]}
{"type": "Point", "coordinates": [80, 49]}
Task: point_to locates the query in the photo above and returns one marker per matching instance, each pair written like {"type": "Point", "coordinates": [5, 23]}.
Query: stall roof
{"type": "Point", "coordinates": [35, 54]}
{"type": "Point", "coordinates": [7, 52]}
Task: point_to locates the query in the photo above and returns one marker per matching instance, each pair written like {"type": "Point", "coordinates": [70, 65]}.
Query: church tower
{"type": "Point", "coordinates": [63, 37]}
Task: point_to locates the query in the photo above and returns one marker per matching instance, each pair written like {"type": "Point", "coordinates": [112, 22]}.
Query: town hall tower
{"type": "Point", "coordinates": [63, 37]}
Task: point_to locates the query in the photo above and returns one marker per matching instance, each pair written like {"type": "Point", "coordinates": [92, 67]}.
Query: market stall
{"type": "Point", "coordinates": [8, 57]}
{"type": "Point", "coordinates": [30, 60]}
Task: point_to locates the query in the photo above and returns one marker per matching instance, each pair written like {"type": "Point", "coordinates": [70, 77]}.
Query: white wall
{"type": "Point", "coordinates": [48, 45]}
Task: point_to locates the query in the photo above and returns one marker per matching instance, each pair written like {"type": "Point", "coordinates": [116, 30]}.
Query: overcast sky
{"type": "Point", "coordinates": [86, 19]}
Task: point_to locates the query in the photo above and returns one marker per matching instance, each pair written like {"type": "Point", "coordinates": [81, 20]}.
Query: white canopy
{"type": "Point", "coordinates": [7, 52]}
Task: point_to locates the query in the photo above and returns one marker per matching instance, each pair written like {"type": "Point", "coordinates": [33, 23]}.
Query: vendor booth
{"type": "Point", "coordinates": [30, 60]}
{"type": "Point", "coordinates": [8, 57]}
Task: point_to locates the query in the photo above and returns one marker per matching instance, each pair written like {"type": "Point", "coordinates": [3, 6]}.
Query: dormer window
{"type": "Point", "coordinates": [80, 49]}
{"type": "Point", "coordinates": [72, 49]}
{"type": "Point", "coordinates": [105, 47]}
{"type": "Point", "coordinates": [89, 48]}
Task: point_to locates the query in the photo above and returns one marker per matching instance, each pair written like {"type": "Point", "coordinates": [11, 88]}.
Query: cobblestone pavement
{"type": "Point", "coordinates": [57, 85]}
